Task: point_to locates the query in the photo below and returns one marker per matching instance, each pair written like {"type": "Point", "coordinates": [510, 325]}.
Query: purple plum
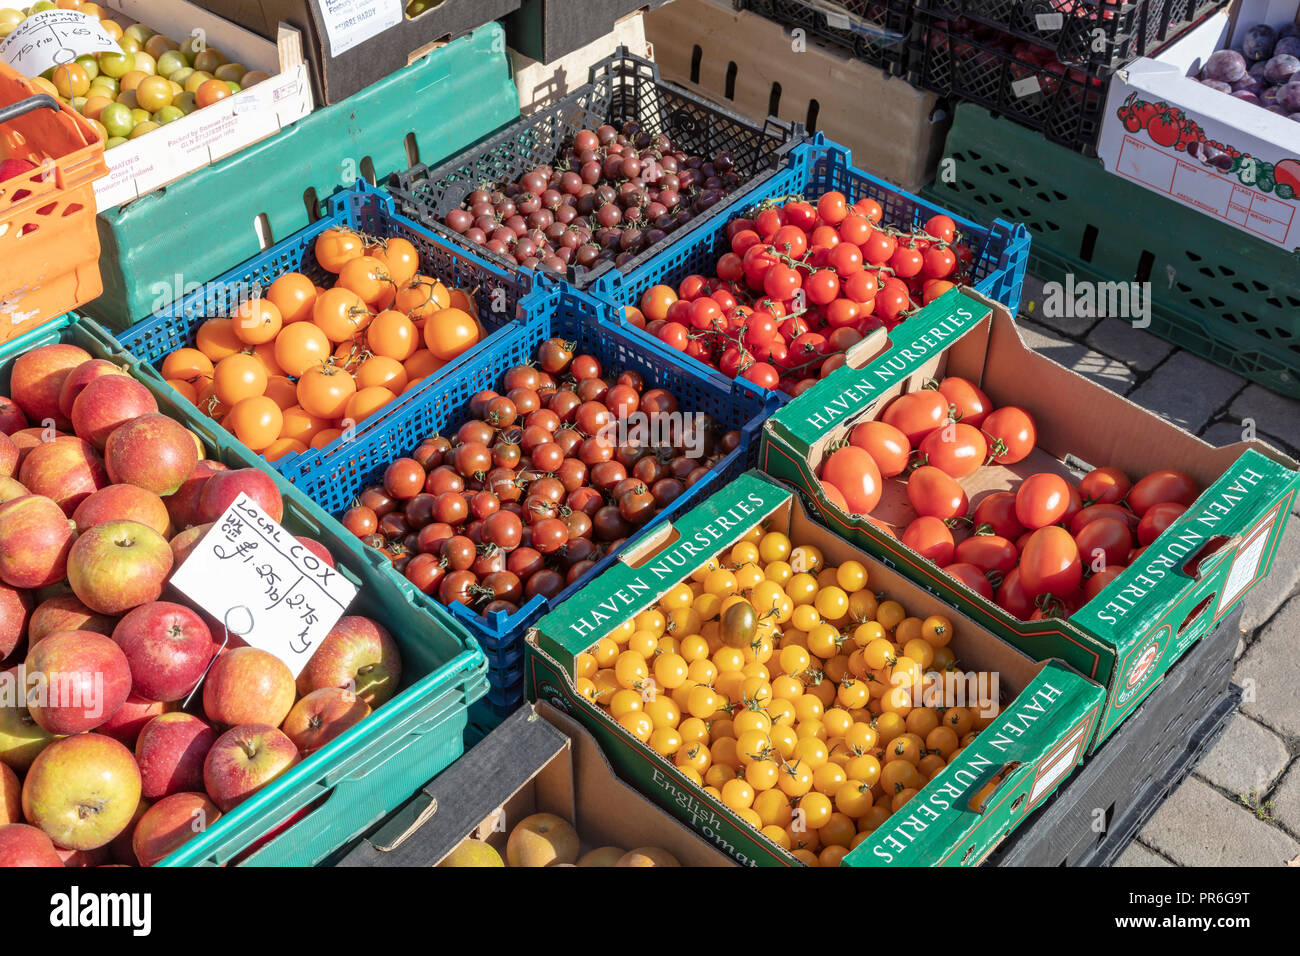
{"type": "Point", "coordinates": [1281, 67]}
{"type": "Point", "coordinates": [1249, 84]}
{"type": "Point", "coordinates": [1269, 96]}
{"type": "Point", "coordinates": [1246, 96]}
{"type": "Point", "coordinates": [1277, 109]}
{"type": "Point", "coordinates": [1225, 66]}
{"type": "Point", "coordinates": [1256, 71]}
{"type": "Point", "coordinates": [1217, 85]}
{"type": "Point", "coordinates": [1289, 45]}
{"type": "Point", "coordinates": [1290, 30]}
{"type": "Point", "coordinates": [1258, 42]}
{"type": "Point", "coordinates": [1288, 97]}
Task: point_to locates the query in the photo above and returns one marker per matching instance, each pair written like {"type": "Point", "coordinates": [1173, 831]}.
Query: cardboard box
{"type": "Point", "coordinates": [142, 165]}
{"type": "Point", "coordinates": [1260, 193]}
{"type": "Point", "coordinates": [353, 43]}
{"type": "Point", "coordinates": [745, 62]}
{"type": "Point", "coordinates": [538, 760]}
{"type": "Point", "coordinates": [1127, 637]}
{"type": "Point", "coordinates": [546, 30]}
{"type": "Point", "coordinates": [1048, 712]}
{"type": "Point", "coordinates": [541, 84]}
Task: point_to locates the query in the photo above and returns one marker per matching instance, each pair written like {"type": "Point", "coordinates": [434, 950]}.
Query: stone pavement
{"type": "Point", "coordinates": [1241, 806]}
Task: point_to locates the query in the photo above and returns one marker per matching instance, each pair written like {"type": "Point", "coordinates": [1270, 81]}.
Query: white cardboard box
{"type": "Point", "coordinates": [1260, 194]}
{"type": "Point", "coordinates": [214, 132]}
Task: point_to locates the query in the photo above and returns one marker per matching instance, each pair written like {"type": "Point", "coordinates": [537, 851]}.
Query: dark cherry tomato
{"type": "Point", "coordinates": [606, 474]}
{"type": "Point", "coordinates": [472, 458]}
{"type": "Point", "coordinates": [457, 587]}
{"type": "Point", "coordinates": [425, 571]}
{"type": "Point", "coordinates": [404, 479]}
{"type": "Point", "coordinates": [585, 499]}
{"type": "Point", "coordinates": [432, 535]}
{"type": "Point", "coordinates": [666, 491]}
{"type": "Point", "coordinates": [451, 508]}
{"type": "Point", "coordinates": [637, 505]}
{"type": "Point", "coordinates": [550, 535]}
{"type": "Point", "coordinates": [442, 479]}
{"type": "Point", "coordinates": [505, 484]}
{"type": "Point", "coordinates": [608, 524]}
{"type": "Point", "coordinates": [475, 432]}
{"type": "Point", "coordinates": [394, 525]}
{"type": "Point", "coordinates": [458, 552]}
{"type": "Point", "coordinates": [360, 520]}
{"type": "Point", "coordinates": [502, 529]}
{"type": "Point", "coordinates": [419, 510]}
{"type": "Point", "coordinates": [505, 586]}
{"type": "Point", "coordinates": [572, 474]}
{"type": "Point", "coordinates": [546, 582]}
{"type": "Point", "coordinates": [525, 562]}
{"type": "Point", "coordinates": [484, 504]}
{"type": "Point", "coordinates": [490, 560]}
{"type": "Point", "coordinates": [378, 500]}
{"type": "Point", "coordinates": [579, 525]}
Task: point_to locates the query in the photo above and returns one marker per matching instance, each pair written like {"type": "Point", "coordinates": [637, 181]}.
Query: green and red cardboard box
{"type": "Point", "coordinates": [1049, 712]}
{"type": "Point", "coordinates": [1128, 636]}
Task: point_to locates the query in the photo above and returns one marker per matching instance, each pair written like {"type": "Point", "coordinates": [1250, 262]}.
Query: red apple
{"type": "Point", "coordinates": [244, 760]}
{"type": "Point", "coordinates": [82, 791]}
{"type": "Point", "coordinates": [11, 796]}
{"type": "Point", "coordinates": [16, 166]}
{"type": "Point", "coordinates": [22, 845]}
{"type": "Point", "coordinates": [21, 737]}
{"type": "Point", "coordinates": [184, 503]}
{"type": "Point", "coordinates": [323, 715]}
{"type": "Point", "coordinates": [106, 403]}
{"type": "Point", "coordinates": [170, 751]}
{"type": "Point", "coordinates": [183, 544]}
{"type": "Point", "coordinates": [11, 488]}
{"type": "Point", "coordinates": [83, 858]}
{"type": "Point", "coordinates": [318, 549]}
{"type": "Point", "coordinates": [12, 418]}
{"type": "Point", "coordinates": [151, 451]}
{"type": "Point", "coordinates": [76, 383]}
{"type": "Point", "coordinates": [357, 654]}
{"type": "Point", "coordinates": [171, 823]}
{"type": "Point", "coordinates": [38, 377]}
{"type": "Point", "coordinates": [30, 439]}
{"type": "Point", "coordinates": [15, 610]}
{"type": "Point", "coordinates": [248, 685]}
{"type": "Point", "coordinates": [67, 470]}
{"type": "Point", "coordinates": [221, 490]}
{"type": "Point", "coordinates": [35, 540]}
{"type": "Point", "coordinates": [168, 647]}
{"type": "Point", "coordinates": [83, 679]}
{"type": "Point", "coordinates": [119, 849]}
{"type": "Point", "coordinates": [129, 719]}
{"type": "Point", "coordinates": [124, 502]}
{"type": "Point", "coordinates": [119, 565]}
{"type": "Point", "coordinates": [8, 457]}
{"type": "Point", "coordinates": [65, 612]}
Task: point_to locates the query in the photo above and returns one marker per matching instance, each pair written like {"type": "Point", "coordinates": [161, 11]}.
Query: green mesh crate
{"type": "Point", "coordinates": [1216, 291]}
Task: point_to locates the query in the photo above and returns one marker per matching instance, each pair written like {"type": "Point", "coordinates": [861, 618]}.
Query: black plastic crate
{"type": "Point", "coordinates": [622, 88]}
{"type": "Point", "coordinates": [874, 31]}
{"type": "Point", "coordinates": [976, 62]}
{"type": "Point", "coordinates": [1122, 785]}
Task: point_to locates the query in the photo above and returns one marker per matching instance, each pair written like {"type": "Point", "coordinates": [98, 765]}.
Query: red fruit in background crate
{"type": "Point", "coordinates": [9, 168]}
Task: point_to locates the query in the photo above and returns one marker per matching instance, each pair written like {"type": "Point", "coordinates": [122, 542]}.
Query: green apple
{"type": "Point", "coordinates": [82, 791]}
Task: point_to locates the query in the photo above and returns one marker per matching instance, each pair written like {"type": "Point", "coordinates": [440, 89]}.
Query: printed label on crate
{"type": "Point", "coordinates": [838, 21]}
{"type": "Point", "coordinates": [1246, 565]}
{"type": "Point", "coordinates": [1049, 21]}
{"type": "Point", "coordinates": [1059, 764]}
{"type": "Point", "coordinates": [1026, 86]}
{"type": "Point", "coordinates": [351, 22]}
{"type": "Point", "coordinates": [51, 37]}
{"type": "Point", "coordinates": [258, 580]}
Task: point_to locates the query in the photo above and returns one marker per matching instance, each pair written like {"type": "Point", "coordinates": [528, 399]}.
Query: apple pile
{"type": "Point", "coordinates": [101, 497]}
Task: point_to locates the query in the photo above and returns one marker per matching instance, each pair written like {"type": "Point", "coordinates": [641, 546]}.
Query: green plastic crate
{"type": "Point", "coordinates": [155, 248]}
{"type": "Point", "coordinates": [361, 776]}
{"type": "Point", "coordinates": [1216, 291]}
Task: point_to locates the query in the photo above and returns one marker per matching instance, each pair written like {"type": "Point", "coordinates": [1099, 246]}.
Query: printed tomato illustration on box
{"type": "Point", "coordinates": [1170, 127]}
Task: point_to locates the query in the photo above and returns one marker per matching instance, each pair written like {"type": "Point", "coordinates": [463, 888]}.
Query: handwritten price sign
{"type": "Point", "coordinates": [52, 37]}
{"type": "Point", "coordinates": [254, 576]}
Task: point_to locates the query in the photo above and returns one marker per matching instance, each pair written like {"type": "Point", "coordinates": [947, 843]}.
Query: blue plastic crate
{"type": "Point", "coordinates": [370, 211]}
{"type": "Point", "coordinates": [548, 311]}
{"type": "Point", "coordinates": [1000, 251]}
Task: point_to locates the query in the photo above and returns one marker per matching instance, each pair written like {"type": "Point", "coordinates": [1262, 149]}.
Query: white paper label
{"type": "Point", "coordinates": [264, 585]}
{"type": "Point", "coordinates": [1026, 87]}
{"type": "Point", "coordinates": [1245, 568]}
{"type": "Point", "coordinates": [1049, 21]}
{"type": "Point", "coordinates": [838, 21]}
{"type": "Point", "coordinates": [52, 37]}
{"type": "Point", "coordinates": [350, 22]}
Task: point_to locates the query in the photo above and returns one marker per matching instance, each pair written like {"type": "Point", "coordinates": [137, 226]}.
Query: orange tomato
{"type": "Point", "coordinates": [366, 402]}
{"type": "Point", "coordinates": [216, 339]}
{"type": "Point", "coordinates": [382, 371]}
{"type": "Point", "coordinates": [294, 295]}
{"type": "Point", "coordinates": [393, 335]}
{"type": "Point", "coordinates": [368, 277]}
{"type": "Point", "coordinates": [460, 299]}
{"type": "Point", "coordinates": [300, 346]}
{"type": "Point", "coordinates": [301, 426]}
{"type": "Point", "coordinates": [265, 353]}
{"type": "Point", "coordinates": [186, 389]}
{"type": "Point", "coordinates": [341, 314]}
{"type": "Point", "coordinates": [187, 365]}
{"type": "Point", "coordinates": [450, 332]}
{"type": "Point", "coordinates": [238, 377]}
{"type": "Point", "coordinates": [281, 447]}
{"type": "Point", "coordinates": [255, 421]}
{"type": "Point", "coordinates": [655, 302]}
{"type": "Point", "coordinates": [281, 391]}
{"type": "Point", "coordinates": [211, 92]}
{"type": "Point", "coordinates": [324, 390]}
{"type": "Point", "coordinates": [402, 260]}
{"type": "Point", "coordinates": [421, 297]}
{"type": "Point", "coordinates": [325, 436]}
{"type": "Point", "coordinates": [421, 365]}
{"type": "Point", "coordinates": [334, 248]}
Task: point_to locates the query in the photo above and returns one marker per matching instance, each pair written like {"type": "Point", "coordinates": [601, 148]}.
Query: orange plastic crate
{"type": "Point", "coordinates": [49, 246]}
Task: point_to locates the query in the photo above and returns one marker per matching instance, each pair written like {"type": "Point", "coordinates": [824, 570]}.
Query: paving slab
{"type": "Point", "coordinates": [1269, 673]}
{"type": "Point", "coordinates": [1032, 307]}
{"type": "Point", "coordinates": [1247, 757]}
{"type": "Point", "coordinates": [1102, 369]}
{"type": "Point", "coordinates": [1136, 348]}
{"type": "Point", "coordinates": [1198, 826]}
{"type": "Point", "coordinates": [1282, 582]}
{"type": "Point", "coordinates": [1286, 800]}
{"type": "Point", "coordinates": [1138, 855]}
{"type": "Point", "coordinates": [1187, 390]}
{"type": "Point", "coordinates": [1273, 414]}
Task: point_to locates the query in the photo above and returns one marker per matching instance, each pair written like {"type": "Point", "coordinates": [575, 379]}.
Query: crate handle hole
{"type": "Point", "coordinates": [697, 55]}
{"type": "Point", "coordinates": [1145, 263]}
{"type": "Point", "coordinates": [1197, 611]}
{"type": "Point", "coordinates": [262, 226]}
{"type": "Point", "coordinates": [73, 209]}
{"type": "Point", "coordinates": [732, 69]}
{"type": "Point", "coordinates": [412, 149]}
{"type": "Point", "coordinates": [368, 170]}
{"type": "Point", "coordinates": [1089, 243]}
{"type": "Point", "coordinates": [312, 202]}
{"type": "Point", "coordinates": [813, 109]}
{"type": "Point", "coordinates": [774, 100]}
